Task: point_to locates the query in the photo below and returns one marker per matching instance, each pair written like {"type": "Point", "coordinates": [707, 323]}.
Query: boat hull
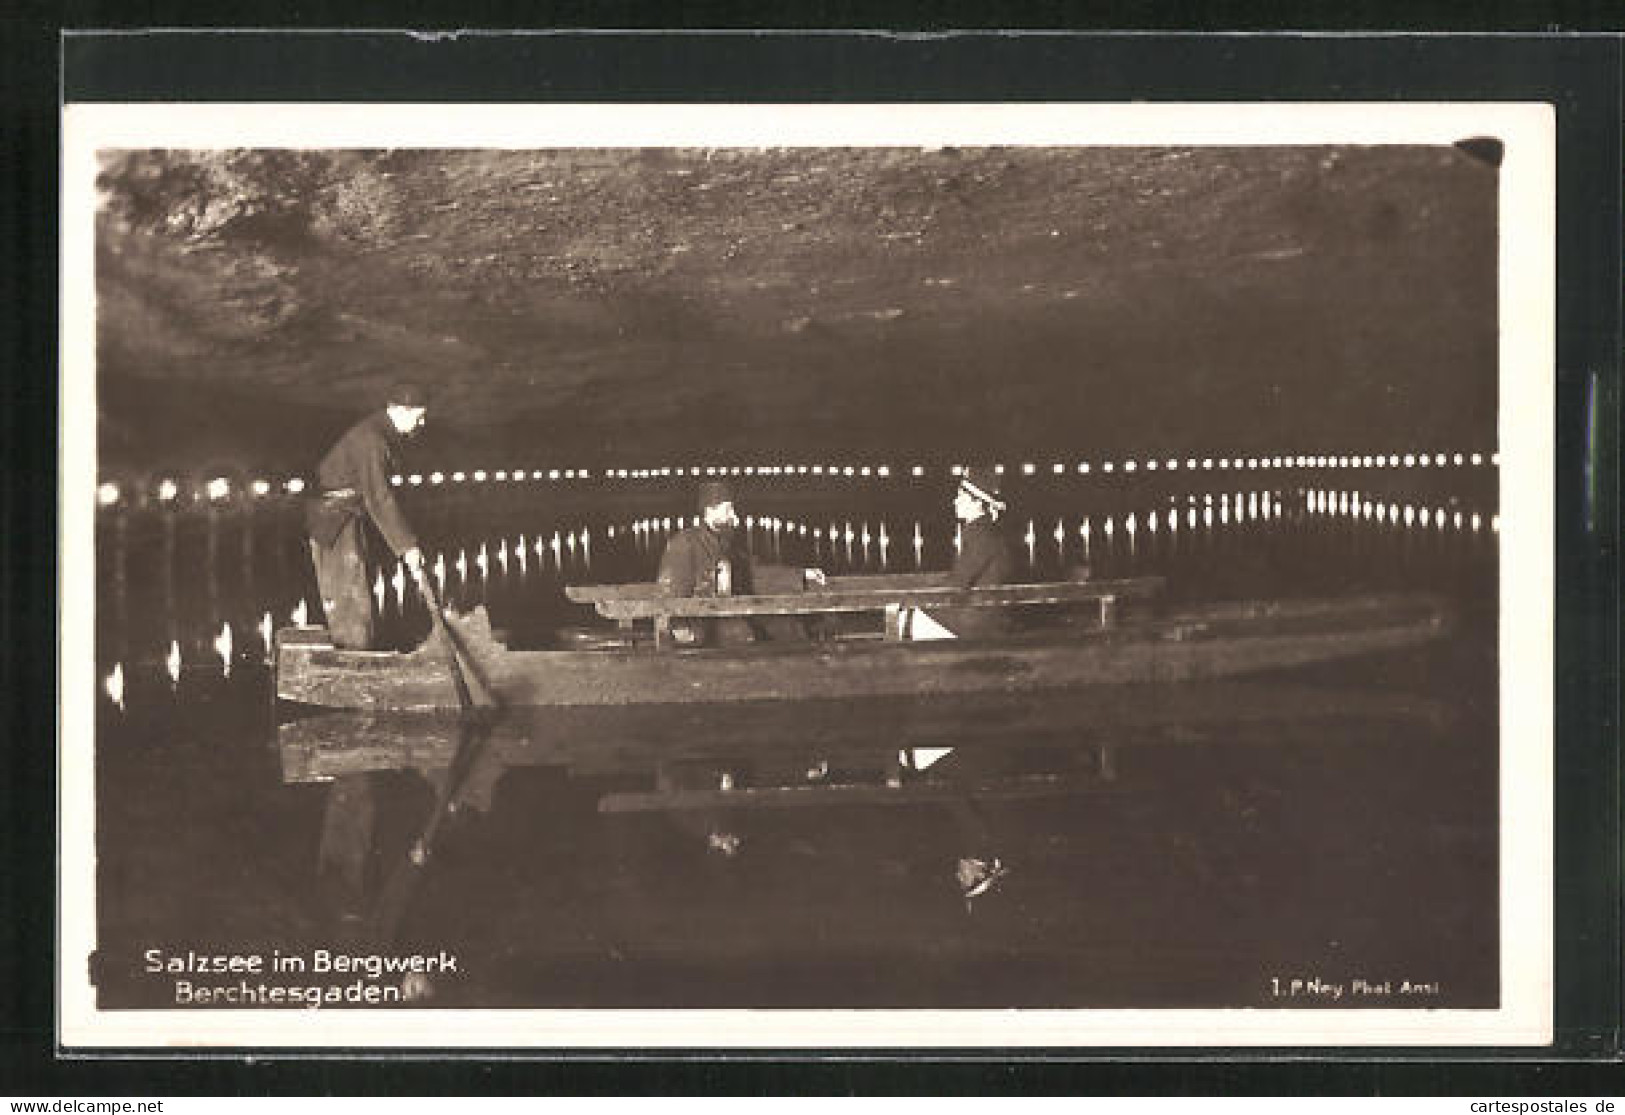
{"type": "Point", "coordinates": [1214, 642]}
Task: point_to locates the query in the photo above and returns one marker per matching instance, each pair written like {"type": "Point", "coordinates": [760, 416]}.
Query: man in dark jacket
{"type": "Point", "coordinates": [984, 557]}
{"type": "Point", "coordinates": [353, 488]}
{"type": "Point", "coordinates": [711, 560]}
{"type": "Point", "coordinates": [984, 552]}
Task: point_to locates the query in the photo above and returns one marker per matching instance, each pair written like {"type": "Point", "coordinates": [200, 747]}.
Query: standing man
{"type": "Point", "coordinates": [352, 488]}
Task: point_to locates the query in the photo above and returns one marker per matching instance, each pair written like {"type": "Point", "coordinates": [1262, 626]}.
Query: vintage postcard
{"type": "Point", "coordinates": [974, 576]}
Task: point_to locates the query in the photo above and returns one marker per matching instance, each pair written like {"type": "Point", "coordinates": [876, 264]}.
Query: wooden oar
{"type": "Point", "coordinates": [397, 892]}
{"type": "Point", "coordinates": [472, 692]}
{"type": "Point", "coordinates": [477, 704]}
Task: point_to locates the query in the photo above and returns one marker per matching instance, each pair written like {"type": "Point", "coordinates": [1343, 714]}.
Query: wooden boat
{"type": "Point", "coordinates": [1110, 646]}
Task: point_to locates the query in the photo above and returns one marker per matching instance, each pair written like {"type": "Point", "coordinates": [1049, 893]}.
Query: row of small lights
{"type": "Point", "coordinates": [220, 488]}
{"type": "Point", "coordinates": [1352, 504]}
{"type": "Point", "coordinates": [1150, 464]}
{"type": "Point", "coordinates": [1192, 464]}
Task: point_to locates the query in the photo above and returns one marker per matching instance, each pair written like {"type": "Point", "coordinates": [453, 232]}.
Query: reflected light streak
{"type": "Point", "coordinates": [222, 647]}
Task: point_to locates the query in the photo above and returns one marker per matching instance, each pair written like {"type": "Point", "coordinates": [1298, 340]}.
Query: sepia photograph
{"type": "Point", "coordinates": [807, 576]}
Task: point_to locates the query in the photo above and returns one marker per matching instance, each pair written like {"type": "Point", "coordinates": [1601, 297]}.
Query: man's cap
{"type": "Point", "coordinates": [983, 484]}
{"type": "Point", "coordinates": [713, 492]}
{"type": "Point", "coordinates": [407, 393]}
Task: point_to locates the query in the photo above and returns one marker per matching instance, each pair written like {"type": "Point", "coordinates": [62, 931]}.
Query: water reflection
{"type": "Point", "coordinates": [114, 684]}
{"type": "Point", "coordinates": [223, 647]}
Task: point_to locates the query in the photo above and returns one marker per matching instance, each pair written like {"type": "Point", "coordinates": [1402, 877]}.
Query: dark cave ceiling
{"type": "Point", "coordinates": [640, 307]}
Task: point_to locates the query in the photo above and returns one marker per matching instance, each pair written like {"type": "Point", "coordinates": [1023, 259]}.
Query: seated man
{"type": "Point", "coordinates": [984, 552]}
{"type": "Point", "coordinates": [711, 560]}
{"type": "Point", "coordinates": [984, 560]}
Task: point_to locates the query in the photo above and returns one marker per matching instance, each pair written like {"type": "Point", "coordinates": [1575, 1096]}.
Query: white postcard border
{"type": "Point", "coordinates": [1527, 226]}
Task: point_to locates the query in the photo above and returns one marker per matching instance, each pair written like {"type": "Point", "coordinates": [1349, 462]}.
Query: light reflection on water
{"type": "Point", "coordinates": [259, 576]}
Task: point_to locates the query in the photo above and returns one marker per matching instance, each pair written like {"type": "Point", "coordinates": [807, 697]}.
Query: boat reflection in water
{"type": "Point", "coordinates": [944, 808]}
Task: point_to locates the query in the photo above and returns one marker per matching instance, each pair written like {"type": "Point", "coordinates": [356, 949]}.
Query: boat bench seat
{"type": "Point", "coordinates": [629, 603]}
{"type": "Point", "coordinates": [311, 636]}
